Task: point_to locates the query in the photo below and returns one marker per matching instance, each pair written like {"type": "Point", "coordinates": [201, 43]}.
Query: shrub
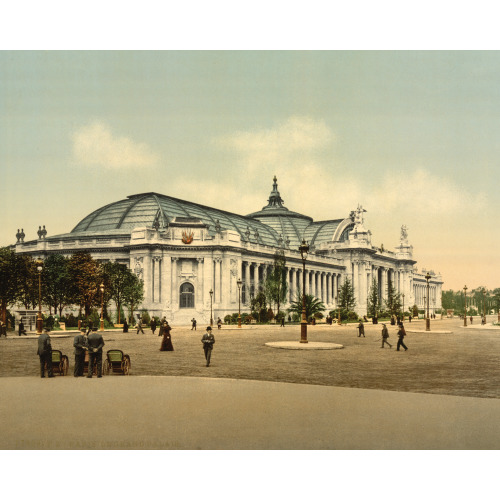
{"type": "Point", "coordinates": [71, 321]}
{"type": "Point", "coordinates": [145, 318]}
{"type": "Point", "coordinates": [227, 319]}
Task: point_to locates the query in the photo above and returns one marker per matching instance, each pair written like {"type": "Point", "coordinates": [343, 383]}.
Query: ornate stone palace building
{"type": "Point", "coordinates": [182, 250]}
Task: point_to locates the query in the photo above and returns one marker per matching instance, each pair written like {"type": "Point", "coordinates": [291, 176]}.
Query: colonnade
{"type": "Point", "coordinates": [322, 284]}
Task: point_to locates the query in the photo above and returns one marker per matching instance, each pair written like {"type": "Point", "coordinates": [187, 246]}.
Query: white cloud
{"type": "Point", "coordinates": [288, 144]}
{"type": "Point", "coordinates": [95, 145]}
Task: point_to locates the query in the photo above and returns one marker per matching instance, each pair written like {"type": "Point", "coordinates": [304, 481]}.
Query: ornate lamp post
{"type": "Point", "coordinates": [427, 320]}
{"type": "Point", "coordinates": [239, 283]}
{"type": "Point", "coordinates": [304, 250]}
{"type": "Point", "coordinates": [465, 305]}
{"type": "Point", "coordinates": [211, 292]}
{"type": "Point", "coordinates": [39, 319]}
{"type": "Point", "coordinates": [102, 306]}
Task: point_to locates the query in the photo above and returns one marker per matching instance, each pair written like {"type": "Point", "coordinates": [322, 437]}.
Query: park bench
{"type": "Point", "coordinates": [116, 362]}
{"type": "Point", "coordinates": [60, 362]}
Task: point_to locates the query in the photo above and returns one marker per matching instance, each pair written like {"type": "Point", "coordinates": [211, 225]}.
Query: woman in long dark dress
{"type": "Point", "coordinates": [166, 343]}
{"type": "Point", "coordinates": [125, 326]}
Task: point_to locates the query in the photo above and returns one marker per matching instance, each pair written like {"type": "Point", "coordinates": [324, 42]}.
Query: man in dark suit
{"type": "Point", "coordinates": [95, 344]}
{"type": "Point", "coordinates": [80, 345]}
{"type": "Point", "coordinates": [45, 353]}
{"type": "Point", "coordinates": [208, 341]}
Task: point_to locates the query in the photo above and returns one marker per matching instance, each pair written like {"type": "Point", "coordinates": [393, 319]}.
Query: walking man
{"type": "Point", "coordinates": [22, 330]}
{"type": "Point", "coordinates": [139, 326]}
{"type": "Point", "coordinates": [385, 336]}
{"type": "Point", "coordinates": [208, 341]}
{"type": "Point", "coordinates": [80, 345]}
{"type": "Point", "coordinates": [193, 321]}
{"type": "Point", "coordinates": [95, 345]}
{"type": "Point", "coordinates": [401, 336]}
{"type": "Point", "coordinates": [219, 323]}
{"type": "Point", "coordinates": [361, 328]}
{"type": "Point", "coordinates": [153, 325]}
{"type": "Point", "coordinates": [45, 353]}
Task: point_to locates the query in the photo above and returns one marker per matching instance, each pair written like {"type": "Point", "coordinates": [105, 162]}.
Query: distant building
{"type": "Point", "coordinates": [182, 250]}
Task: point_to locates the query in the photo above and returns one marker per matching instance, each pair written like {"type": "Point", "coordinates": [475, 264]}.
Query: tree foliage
{"type": "Point", "coordinates": [258, 306]}
{"type": "Point", "coordinates": [347, 301]}
{"type": "Point", "coordinates": [275, 286]}
{"type": "Point", "coordinates": [133, 293]}
{"type": "Point", "coordinates": [116, 278]}
{"type": "Point", "coordinates": [373, 299]}
{"type": "Point", "coordinates": [9, 292]}
{"type": "Point", "coordinates": [86, 277]}
{"type": "Point", "coordinates": [56, 282]}
{"type": "Point", "coordinates": [393, 302]}
{"type": "Point", "coordinates": [314, 306]}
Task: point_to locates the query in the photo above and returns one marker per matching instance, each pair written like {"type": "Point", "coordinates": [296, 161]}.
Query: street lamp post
{"type": "Point", "coordinates": [211, 292]}
{"type": "Point", "coordinates": [239, 283]}
{"type": "Point", "coordinates": [304, 249]}
{"type": "Point", "coordinates": [465, 305]}
{"type": "Point", "coordinates": [39, 319]}
{"type": "Point", "coordinates": [427, 320]}
{"type": "Point", "coordinates": [102, 307]}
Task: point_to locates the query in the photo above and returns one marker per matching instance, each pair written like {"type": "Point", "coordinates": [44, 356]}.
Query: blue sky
{"type": "Point", "coordinates": [412, 136]}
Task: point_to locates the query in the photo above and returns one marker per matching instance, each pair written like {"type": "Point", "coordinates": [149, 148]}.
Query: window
{"type": "Point", "coordinates": [187, 295]}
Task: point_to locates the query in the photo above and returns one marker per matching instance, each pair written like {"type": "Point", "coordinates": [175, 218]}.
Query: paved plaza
{"type": "Point", "coordinates": [257, 397]}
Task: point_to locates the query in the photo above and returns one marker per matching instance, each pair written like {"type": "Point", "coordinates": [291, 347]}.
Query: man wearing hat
{"type": "Point", "coordinates": [95, 343]}
{"type": "Point", "coordinates": [45, 353]}
{"type": "Point", "coordinates": [361, 328]}
{"type": "Point", "coordinates": [208, 341]}
{"type": "Point", "coordinates": [80, 345]}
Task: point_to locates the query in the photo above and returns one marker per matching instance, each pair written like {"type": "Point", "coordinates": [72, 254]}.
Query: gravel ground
{"type": "Point", "coordinates": [464, 363]}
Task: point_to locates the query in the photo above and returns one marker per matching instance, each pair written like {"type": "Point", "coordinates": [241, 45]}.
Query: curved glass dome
{"type": "Point", "coordinates": [274, 225]}
{"type": "Point", "coordinates": [142, 210]}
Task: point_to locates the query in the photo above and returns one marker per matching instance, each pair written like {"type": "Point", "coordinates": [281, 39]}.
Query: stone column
{"type": "Point", "coordinates": [307, 282]}
{"type": "Point", "coordinates": [175, 290]}
{"type": "Point", "coordinates": [166, 283]}
{"type": "Point", "coordinates": [200, 292]}
{"type": "Point", "coordinates": [256, 277]}
{"type": "Point", "coordinates": [247, 283]}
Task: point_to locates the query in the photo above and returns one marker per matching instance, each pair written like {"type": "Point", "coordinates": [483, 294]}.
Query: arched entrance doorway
{"type": "Point", "coordinates": [186, 296]}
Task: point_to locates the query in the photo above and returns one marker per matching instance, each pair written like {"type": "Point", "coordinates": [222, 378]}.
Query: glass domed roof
{"type": "Point", "coordinates": [274, 225]}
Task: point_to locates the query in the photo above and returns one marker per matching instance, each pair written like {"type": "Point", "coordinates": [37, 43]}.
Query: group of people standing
{"type": "Point", "coordinates": [91, 342]}
{"type": "Point", "coordinates": [86, 341]}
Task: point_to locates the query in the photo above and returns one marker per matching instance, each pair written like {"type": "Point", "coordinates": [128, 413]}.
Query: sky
{"type": "Point", "coordinates": [412, 136]}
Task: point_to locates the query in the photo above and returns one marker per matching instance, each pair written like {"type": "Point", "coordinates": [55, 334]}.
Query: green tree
{"type": "Point", "coordinates": [314, 306]}
{"type": "Point", "coordinates": [347, 301]}
{"type": "Point", "coordinates": [27, 281]}
{"type": "Point", "coordinates": [56, 282]}
{"type": "Point", "coordinates": [373, 299]}
{"type": "Point", "coordinates": [133, 293]}
{"type": "Point", "coordinates": [393, 302]}
{"type": "Point", "coordinates": [9, 292]}
{"type": "Point", "coordinates": [258, 306]}
{"type": "Point", "coordinates": [496, 299]}
{"type": "Point", "coordinates": [275, 286]}
{"type": "Point", "coordinates": [116, 277]}
{"type": "Point", "coordinates": [86, 277]}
